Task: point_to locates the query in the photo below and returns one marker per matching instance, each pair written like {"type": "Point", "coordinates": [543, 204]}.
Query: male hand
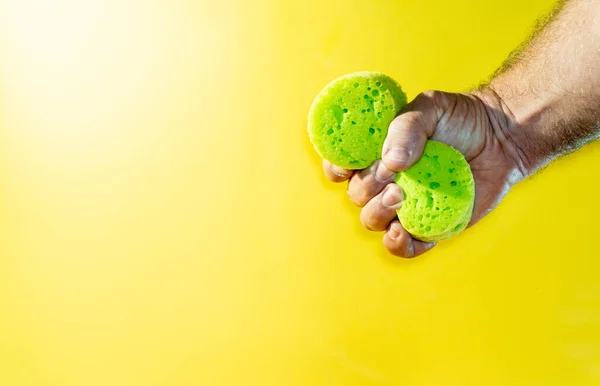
{"type": "Point", "coordinates": [475, 124]}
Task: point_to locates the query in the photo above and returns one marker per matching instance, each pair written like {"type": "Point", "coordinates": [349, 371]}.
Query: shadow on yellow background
{"type": "Point", "coordinates": [164, 220]}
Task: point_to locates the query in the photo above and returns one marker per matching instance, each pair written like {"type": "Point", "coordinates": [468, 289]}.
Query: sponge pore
{"type": "Point", "coordinates": [349, 118]}
{"type": "Point", "coordinates": [439, 192]}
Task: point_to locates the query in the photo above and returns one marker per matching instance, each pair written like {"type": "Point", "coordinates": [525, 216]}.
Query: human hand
{"type": "Point", "coordinates": [475, 124]}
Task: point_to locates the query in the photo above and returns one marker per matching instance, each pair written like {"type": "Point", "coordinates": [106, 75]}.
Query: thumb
{"type": "Point", "coordinates": [409, 131]}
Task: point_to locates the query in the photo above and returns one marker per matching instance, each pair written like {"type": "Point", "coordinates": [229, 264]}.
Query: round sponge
{"type": "Point", "coordinates": [349, 118]}
{"type": "Point", "coordinates": [439, 193]}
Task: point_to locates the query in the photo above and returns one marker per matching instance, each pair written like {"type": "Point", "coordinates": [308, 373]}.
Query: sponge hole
{"type": "Point", "coordinates": [452, 183]}
{"type": "Point", "coordinates": [371, 131]}
{"type": "Point", "coordinates": [429, 200]}
{"type": "Point", "coordinates": [338, 113]}
{"type": "Point", "coordinates": [330, 131]}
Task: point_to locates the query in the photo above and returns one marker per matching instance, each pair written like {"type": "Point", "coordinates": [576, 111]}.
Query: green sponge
{"type": "Point", "coordinates": [439, 193]}
{"type": "Point", "coordinates": [349, 118]}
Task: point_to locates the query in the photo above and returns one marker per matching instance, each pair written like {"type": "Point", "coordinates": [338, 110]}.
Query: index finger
{"type": "Point", "coordinates": [336, 173]}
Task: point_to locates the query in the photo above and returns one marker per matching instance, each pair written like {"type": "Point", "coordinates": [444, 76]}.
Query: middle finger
{"type": "Point", "coordinates": [368, 183]}
{"type": "Point", "coordinates": [381, 210]}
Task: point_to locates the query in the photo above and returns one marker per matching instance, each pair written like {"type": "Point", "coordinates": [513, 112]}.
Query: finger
{"type": "Point", "coordinates": [336, 173]}
{"type": "Point", "coordinates": [368, 183]}
{"type": "Point", "coordinates": [408, 132]}
{"type": "Point", "coordinates": [399, 242]}
{"type": "Point", "coordinates": [378, 212]}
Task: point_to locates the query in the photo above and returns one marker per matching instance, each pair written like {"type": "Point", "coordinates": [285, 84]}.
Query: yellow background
{"type": "Point", "coordinates": [164, 219]}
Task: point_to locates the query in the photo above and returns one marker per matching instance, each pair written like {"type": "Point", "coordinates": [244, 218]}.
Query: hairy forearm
{"type": "Point", "coordinates": [547, 95]}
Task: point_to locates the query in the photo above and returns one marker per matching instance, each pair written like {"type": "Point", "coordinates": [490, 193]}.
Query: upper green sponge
{"type": "Point", "coordinates": [439, 193]}
{"type": "Point", "coordinates": [349, 118]}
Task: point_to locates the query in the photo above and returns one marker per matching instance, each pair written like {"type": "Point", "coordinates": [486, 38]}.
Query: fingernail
{"type": "Point", "coordinates": [394, 232]}
{"type": "Point", "coordinates": [383, 174]}
{"type": "Point", "coordinates": [391, 197]}
{"type": "Point", "coordinates": [430, 245]}
{"type": "Point", "coordinates": [397, 154]}
{"type": "Point", "coordinates": [338, 171]}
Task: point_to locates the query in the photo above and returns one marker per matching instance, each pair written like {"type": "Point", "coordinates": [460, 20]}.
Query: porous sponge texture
{"type": "Point", "coordinates": [348, 120]}
{"type": "Point", "coordinates": [439, 193]}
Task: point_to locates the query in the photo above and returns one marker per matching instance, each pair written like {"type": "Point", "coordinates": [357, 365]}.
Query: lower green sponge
{"type": "Point", "coordinates": [348, 120]}
{"type": "Point", "coordinates": [439, 193]}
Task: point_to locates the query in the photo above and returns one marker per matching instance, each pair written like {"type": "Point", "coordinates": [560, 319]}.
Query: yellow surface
{"type": "Point", "coordinates": [164, 221]}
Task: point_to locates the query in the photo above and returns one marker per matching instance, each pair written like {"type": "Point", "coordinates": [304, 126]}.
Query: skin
{"type": "Point", "coordinates": [542, 103]}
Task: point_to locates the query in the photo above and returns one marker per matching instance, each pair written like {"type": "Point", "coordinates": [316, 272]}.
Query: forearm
{"type": "Point", "coordinates": [547, 96]}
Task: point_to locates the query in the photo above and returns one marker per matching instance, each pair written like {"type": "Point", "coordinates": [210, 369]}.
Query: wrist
{"type": "Point", "coordinates": [546, 119]}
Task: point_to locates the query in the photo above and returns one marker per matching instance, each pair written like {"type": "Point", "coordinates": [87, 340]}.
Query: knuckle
{"type": "Point", "coordinates": [361, 189]}
{"type": "Point", "coordinates": [427, 96]}
{"type": "Point", "coordinates": [366, 220]}
{"type": "Point", "coordinates": [371, 220]}
{"type": "Point", "coordinates": [358, 197]}
{"type": "Point", "coordinates": [432, 99]}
